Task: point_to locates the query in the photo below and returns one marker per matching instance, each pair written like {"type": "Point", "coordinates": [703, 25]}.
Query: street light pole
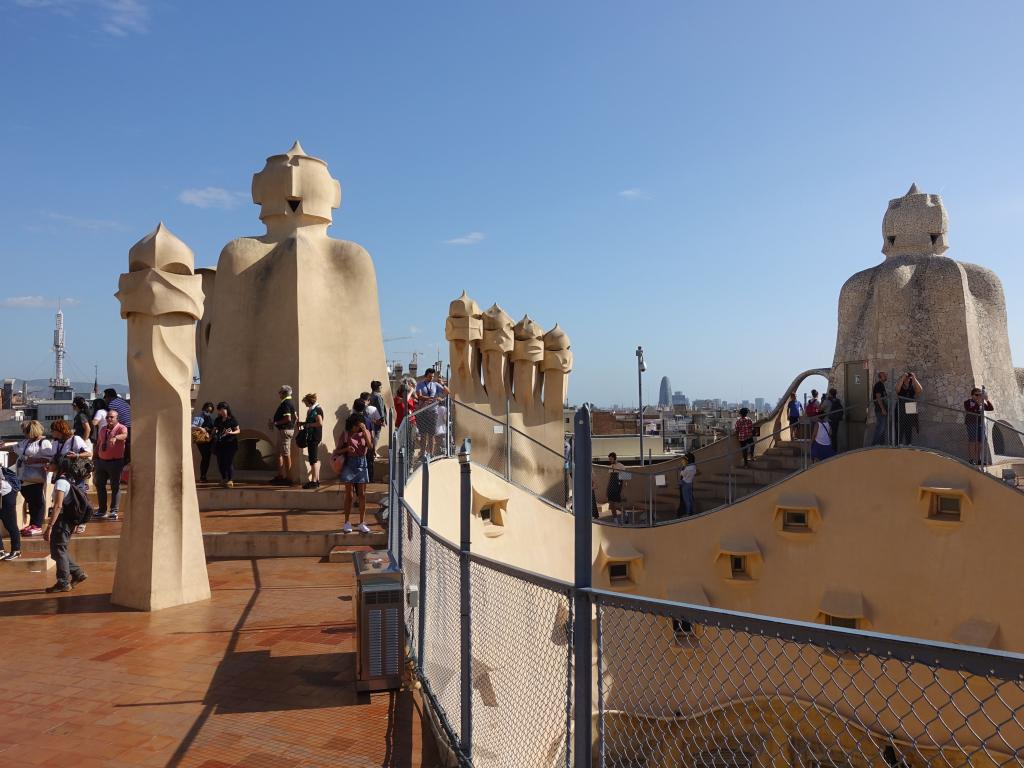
{"type": "Point", "coordinates": [641, 366]}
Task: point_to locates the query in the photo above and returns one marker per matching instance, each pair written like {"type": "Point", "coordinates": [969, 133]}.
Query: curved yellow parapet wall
{"type": "Point", "coordinates": [869, 546]}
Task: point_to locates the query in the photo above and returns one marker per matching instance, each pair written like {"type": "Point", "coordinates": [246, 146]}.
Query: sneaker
{"type": "Point", "coordinates": [347, 528]}
{"type": "Point", "coordinates": [24, 531]}
{"type": "Point", "coordinates": [13, 555]}
{"type": "Point", "coordinates": [60, 586]}
{"type": "Point", "coordinates": [76, 580]}
{"type": "Point", "coordinates": [100, 516]}
{"type": "Point", "coordinates": [4, 555]}
{"type": "Point", "coordinates": [362, 528]}
{"type": "Point", "coordinates": [80, 528]}
{"type": "Point", "coordinates": [229, 484]}
{"type": "Point", "coordinates": [33, 530]}
{"type": "Point", "coordinates": [112, 517]}
{"type": "Point", "coordinates": [309, 485]}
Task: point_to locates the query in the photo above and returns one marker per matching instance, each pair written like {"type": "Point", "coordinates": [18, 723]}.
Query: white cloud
{"type": "Point", "coordinates": [122, 17]}
{"type": "Point", "coordinates": [84, 223]}
{"type": "Point", "coordinates": [413, 330]}
{"type": "Point", "coordinates": [36, 302]}
{"type": "Point", "coordinates": [634, 193]}
{"type": "Point", "coordinates": [211, 197]}
{"type": "Point", "coordinates": [116, 17]}
{"type": "Point", "coordinates": [471, 238]}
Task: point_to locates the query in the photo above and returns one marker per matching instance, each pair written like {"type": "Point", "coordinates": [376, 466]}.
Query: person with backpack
{"type": "Point", "coordinates": [66, 443]}
{"type": "Point", "coordinates": [70, 509]}
{"type": "Point", "coordinates": [202, 436]}
{"type": "Point", "coordinates": [310, 438]}
{"type": "Point", "coordinates": [9, 487]}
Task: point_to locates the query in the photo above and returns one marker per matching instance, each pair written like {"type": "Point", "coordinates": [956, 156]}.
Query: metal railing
{"type": "Point", "coordinates": [506, 667]}
{"type": "Point", "coordinates": [652, 495]}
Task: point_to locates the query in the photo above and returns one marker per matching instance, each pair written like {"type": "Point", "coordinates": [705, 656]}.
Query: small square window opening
{"type": "Point", "coordinates": [945, 507]}
{"type": "Point", "coordinates": [485, 514]}
{"type": "Point", "coordinates": [618, 573]}
{"type": "Point", "coordinates": [794, 520]}
{"type": "Point", "coordinates": [738, 566]}
{"type": "Point", "coordinates": [840, 621]}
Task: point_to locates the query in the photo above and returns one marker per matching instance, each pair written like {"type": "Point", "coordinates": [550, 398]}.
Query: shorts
{"type": "Point", "coordinates": [976, 432]}
{"type": "Point", "coordinates": [311, 452]}
{"type": "Point", "coordinates": [284, 441]}
{"type": "Point", "coordinates": [355, 471]}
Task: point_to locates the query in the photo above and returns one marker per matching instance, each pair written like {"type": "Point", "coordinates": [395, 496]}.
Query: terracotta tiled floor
{"type": "Point", "coordinates": [261, 675]}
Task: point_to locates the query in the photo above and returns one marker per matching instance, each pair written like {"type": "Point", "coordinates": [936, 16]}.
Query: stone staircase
{"type": "Point", "coordinates": [774, 464]}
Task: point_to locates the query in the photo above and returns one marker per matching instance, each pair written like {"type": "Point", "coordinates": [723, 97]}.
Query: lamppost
{"type": "Point", "coordinates": [641, 366]}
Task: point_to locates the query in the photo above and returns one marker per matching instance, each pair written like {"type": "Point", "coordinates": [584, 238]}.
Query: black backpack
{"type": "Point", "coordinates": [76, 509]}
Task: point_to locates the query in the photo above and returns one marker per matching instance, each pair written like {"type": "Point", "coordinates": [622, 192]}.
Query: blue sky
{"type": "Point", "coordinates": [699, 178]}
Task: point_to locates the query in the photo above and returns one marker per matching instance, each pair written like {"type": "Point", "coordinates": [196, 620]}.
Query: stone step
{"type": "Point", "coordinates": [29, 561]}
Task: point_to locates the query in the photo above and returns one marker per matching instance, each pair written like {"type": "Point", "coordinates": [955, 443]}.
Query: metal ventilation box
{"type": "Point", "coordinates": [380, 625]}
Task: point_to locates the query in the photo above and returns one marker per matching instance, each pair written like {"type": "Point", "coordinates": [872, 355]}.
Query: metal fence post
{"type": "Point", "coordinates": [424, 523]}
{"type": "Point", "coordinates": [399, 510]}
{"type": "Point", "coordinates": [582, 505]}
{"type": "Point", "coordinates": [466, 626]}
{"type": "Point", "coordinates": [508, 441]}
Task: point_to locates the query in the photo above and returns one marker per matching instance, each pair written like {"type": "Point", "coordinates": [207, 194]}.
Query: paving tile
{"type": "Point", "coordinates": [253, 677]}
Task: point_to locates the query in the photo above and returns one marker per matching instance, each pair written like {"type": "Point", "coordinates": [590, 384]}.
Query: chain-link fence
{"type": "Point", "coordinates": [495, 648]}
{"type": "Point", "coordinates": [680, 685]}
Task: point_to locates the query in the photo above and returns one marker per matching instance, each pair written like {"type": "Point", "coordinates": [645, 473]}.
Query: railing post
{"type": "Point", "coordinates": [466, 626]}
{"type": "Point", "coordinates": [449, 436]}
{"type": "Point", "coordinates": [399, 511]}
{"type": "Point", "coordinates": [424, 523]}
{"type": "Point", "coordinates": [508, 441]}
{"type": "Point", "coordinates": [583, 672]}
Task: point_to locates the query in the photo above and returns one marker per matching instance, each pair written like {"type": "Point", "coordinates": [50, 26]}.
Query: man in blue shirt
{"type": "Point", "coordinates": [428, 391]}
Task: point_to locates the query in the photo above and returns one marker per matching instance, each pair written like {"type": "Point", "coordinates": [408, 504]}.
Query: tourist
{"type": "Point", "coordinates": [879, 397]}
{"type": "Point", "coordinates": [284, 421]}
{"type": "Point", "coordinates": [401, 403]}
{"type": "Point", "coordinates": [813, 406]}
{"type": "Point", "coordinates": [974, 419]}
{"type": "Point", "coordinates": [83, 418]}
{"type": "Point", "coordinates": [99, 415]}
{"type": "Point", "coordinates": [441, 428]}
{"type": "Point", "coordinates": [111, 444]}
{"type": "Point", "coordinates": [908, 389]}
{"type": "Point", "coordinates": [124, 417]}
{"type": "Point", "coordinates": [33, 456]}
{"type": "Point", "coordinates": [835, 415]}
{"type": "Point", "coordinates": [59, 527]}
{"type": "Point", "coordinates": [821, 440]}
{"type": "Point", "coordinates": [793, 411]}
{"type": "Point", "coordinates": [65, 442]}
{"type": "Point", "coordinates": [204, 423]}
{"type": "Point", "coordinates": [375, 422]}
{"type": "Point", "coordinates": [686, 478]}
{"type": "Point", "coordinates": [377, 401]}
{"type": "Point", "coordinates": [350, 457]}
{"type": "Point", "coordinates": [744, 429]}
{"type": "Point", "coordinates": [313, 429]}
{"type": "Point", "coordinates": [9, 485]}
{"type": "Point", "coordinates": [613, 491]}
{"type": "Point", "coordinates": [225, 443]}
{"type": "Point", "coordinates": [429, 390]}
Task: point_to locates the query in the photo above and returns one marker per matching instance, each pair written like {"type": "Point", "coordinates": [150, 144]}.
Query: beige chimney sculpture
{"type": "Point", "coordinates": [161, 561]}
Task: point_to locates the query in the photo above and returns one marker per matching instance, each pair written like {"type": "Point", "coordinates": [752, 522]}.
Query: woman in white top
{"type": "Point", "coordinates": [65, 442]}
{"type": "Point", "coordinates": [686, 477]}
{"type": "Point", "coordinates": [821, 445]}
{"type": "Point", "coordinates": [33, 454]}
{"type": "Point", "coordinates": [99, 415]}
